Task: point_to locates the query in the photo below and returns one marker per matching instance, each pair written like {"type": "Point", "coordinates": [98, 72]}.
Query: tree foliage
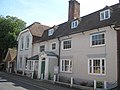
{"type": "Point", "coordinates": [9, 29]}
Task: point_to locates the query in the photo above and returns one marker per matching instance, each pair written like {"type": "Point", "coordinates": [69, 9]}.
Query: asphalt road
{"type": "Point", "coordinates": [10, 83]}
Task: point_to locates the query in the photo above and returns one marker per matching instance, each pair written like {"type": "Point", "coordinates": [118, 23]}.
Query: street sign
{"type": "Point", "coordinates": [56, 69]}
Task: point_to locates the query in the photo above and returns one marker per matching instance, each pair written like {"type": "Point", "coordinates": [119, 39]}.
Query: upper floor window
{"type": "Point", "coordinates": [74, 24]}
{"type": "Point", "coordinates": [105, 14]}
{"type": "Point", "coordinates": [66, 44]}
{"type": "Point", "coordinates": [22, 43]}
{"type": "Point", "coordinates": [97, 66]}
{"type": "Point", "coordinates": [53, 46]}
{"type": "Point", "coordinates": [42, 48]}
{"type": "Point", "coordinates": [27, 42]}
{"type": "Point", "coordinates": [97, 39]}
{"type": "Point", "coordinates": [50, 32]}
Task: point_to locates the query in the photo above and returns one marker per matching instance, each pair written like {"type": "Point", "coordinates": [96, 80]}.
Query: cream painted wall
{"type": "Point", "coordinates": [81, 51]}
{"type": "Point", "coordinates": [25, 52]}
{"type": "Point", "coordinates": [36, 49]}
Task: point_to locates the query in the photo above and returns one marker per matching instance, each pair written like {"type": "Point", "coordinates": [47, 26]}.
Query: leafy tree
{"type": "Point", "coordinates": [9, 29]}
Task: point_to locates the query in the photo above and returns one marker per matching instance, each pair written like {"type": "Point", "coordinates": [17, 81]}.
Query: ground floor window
{"type": "Point", "coordinates": [20, 64]}
{"type": "Point", "coordinates": [25, 62]}
{"type": "Point", "coordinates": [96, 66]}
{"type": "Point", "coordinates": [30, 65]}
{"type": "Point", "coordinates": [36, 65]}
{"type": "Point", "coordinates": [66, 65]}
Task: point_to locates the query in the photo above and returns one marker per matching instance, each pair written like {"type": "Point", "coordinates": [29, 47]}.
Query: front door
{"type": "Point", "coordinates": [43, 70]}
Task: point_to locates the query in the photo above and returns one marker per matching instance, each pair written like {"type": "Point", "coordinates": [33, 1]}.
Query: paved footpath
{"type": "Point", "coordinates": [17, 82]}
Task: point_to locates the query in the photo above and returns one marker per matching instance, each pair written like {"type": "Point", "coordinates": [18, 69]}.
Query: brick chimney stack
{"type": "Point", "coordinates": [74, 9]}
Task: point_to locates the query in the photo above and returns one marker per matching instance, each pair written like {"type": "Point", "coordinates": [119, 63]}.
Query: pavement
{"type": "Point", "coordinates": [41, 84]}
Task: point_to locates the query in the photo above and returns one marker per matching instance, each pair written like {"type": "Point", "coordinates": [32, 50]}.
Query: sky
{"type": "Point", "coordinates": [48, 12]}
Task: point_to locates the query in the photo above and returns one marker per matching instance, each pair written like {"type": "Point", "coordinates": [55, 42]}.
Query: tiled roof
{"type": "Point", "coordinates": [11, 55]}
{"type": "Point", "coordinates": [37, 29]}
{"type": "Point", "coordinates": [48, 53]}
{"type": "Point", "coordinates": [86, 23]}
{"type": "Point", "coordinates": [36, 38]}
{"type": "Point", "coordinates": [36, 57]}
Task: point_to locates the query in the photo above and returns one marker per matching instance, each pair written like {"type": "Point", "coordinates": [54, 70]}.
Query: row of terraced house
{"type": "Point", "coordinates": [85, 48]}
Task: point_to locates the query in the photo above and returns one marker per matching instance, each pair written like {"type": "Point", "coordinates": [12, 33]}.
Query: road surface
{"type": "Point", "coordinates": [12, 83]}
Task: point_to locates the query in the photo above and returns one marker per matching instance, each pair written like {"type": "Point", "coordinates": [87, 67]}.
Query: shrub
{"type": "Point", "coordinates": [99, 84]}
{"type": "Point", "coordinates": [49, 76]}
{"type": "Point", "coordinates": [84, 83]}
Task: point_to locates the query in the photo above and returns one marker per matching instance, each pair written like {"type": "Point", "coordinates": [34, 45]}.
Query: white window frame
{"type": "Point", "coordinates": [22, 43]}
{"type": "Point", "coordinates": [98, 44]}
{"type": "Point", "coordinates": [36, 65]}
{"type": "Point", "coordinates": [30, 65]}
{"type": "Point", "coordinates": [74, 24]}
{"type": "Point", "coordinates": [41, 46]}
{"type": "Point", "coordinates": [92, 73]}
{"type": "Point", "coordinates": [104, 14]}
{"type": "Point", "coordinates": [27, 43]}
{"type": "Point", "coordinates": [52, 46]}
{"type": "Point", "coordinates": [70, 66]}
{"type": "Point", "coordinates": [50, 32]}
{"type": "Point", "coordinates": [63, 44]}
{"type": "Point", "coordinates": [25, 58]}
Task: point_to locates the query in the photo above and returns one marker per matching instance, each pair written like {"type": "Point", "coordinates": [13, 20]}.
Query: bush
{"type": "Point", "coordinates": [90, 84]}
{"type": "Point", "coordinates": [49, 76]}
{"type": "Point", "coordinates": [99, 84]}
{"type": "Point", "coordinates": [84, 83]}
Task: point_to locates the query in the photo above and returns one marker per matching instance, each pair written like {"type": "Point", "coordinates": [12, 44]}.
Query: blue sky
{"type": "Point", "coordinates": [48, 12]}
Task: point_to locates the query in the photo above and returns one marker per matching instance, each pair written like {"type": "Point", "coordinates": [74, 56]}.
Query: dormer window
{"type": "Point", "coordinates": [74, 24]}
{"type": "Point", "coordinates": [50, 32]}
{"type": "Point", "coordinates": [105, 15]}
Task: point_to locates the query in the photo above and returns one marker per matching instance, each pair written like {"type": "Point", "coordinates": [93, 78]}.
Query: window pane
{"type": "Point", "coordinates": [42, 48]}
{"type": "Point", "coordinates": [106, 14]}
{"type": "Point", "coordinates": [66, 44]}
{"type": "Point", "coordinates": [50, 32]}
{"type": "Point", "coordinates": [66, 68]}
{"type": "Point", "coordinates": [98, 39]}
{"type": "Point", "coordinates": [66, 62]}
{"type": "Point", "coordinates": [103, 70]}
{"type": "Point", "coordinates": [53, 46]}
{"type": "Point", "coordinates": [90, 70]}
{"type": "Point", "coordinates": [96, 65]}
{"type": "Point", "coordinates": [103, 63]}
{"type": "Point", "coordinates": [66, 65]}
{"type": "Point", "coordinates": [102, 16]}
{"type": "Point", "coordinates": [74, 24]}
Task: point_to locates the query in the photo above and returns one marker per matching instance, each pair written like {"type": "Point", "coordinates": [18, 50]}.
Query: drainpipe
{"type": "Point", "coordinates": [118, 56]}
{"type": "Point", "coordinates": [59, 58]}
{"type": "Point", "coordinates": [59, 52]}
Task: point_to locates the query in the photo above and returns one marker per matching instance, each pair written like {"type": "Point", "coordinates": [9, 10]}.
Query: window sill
{"type": "Point", "coordinates": [21, 49]}
{"type": "Point", "coordinates": [94, 74]}
{"type": "Point", "coordinates": [53, 49]}
{"type": "Point", "coordinates": [69, 72]}
{"type": "Point", "coordinates": [94, 46]}
{"type": "Point", "coordinates": [67, 49]}
{"type": "Point", "coordinates": [26, 48]}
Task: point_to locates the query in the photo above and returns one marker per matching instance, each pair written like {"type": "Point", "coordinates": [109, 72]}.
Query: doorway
{"type": "Point", "coordinates": [43, 69]}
